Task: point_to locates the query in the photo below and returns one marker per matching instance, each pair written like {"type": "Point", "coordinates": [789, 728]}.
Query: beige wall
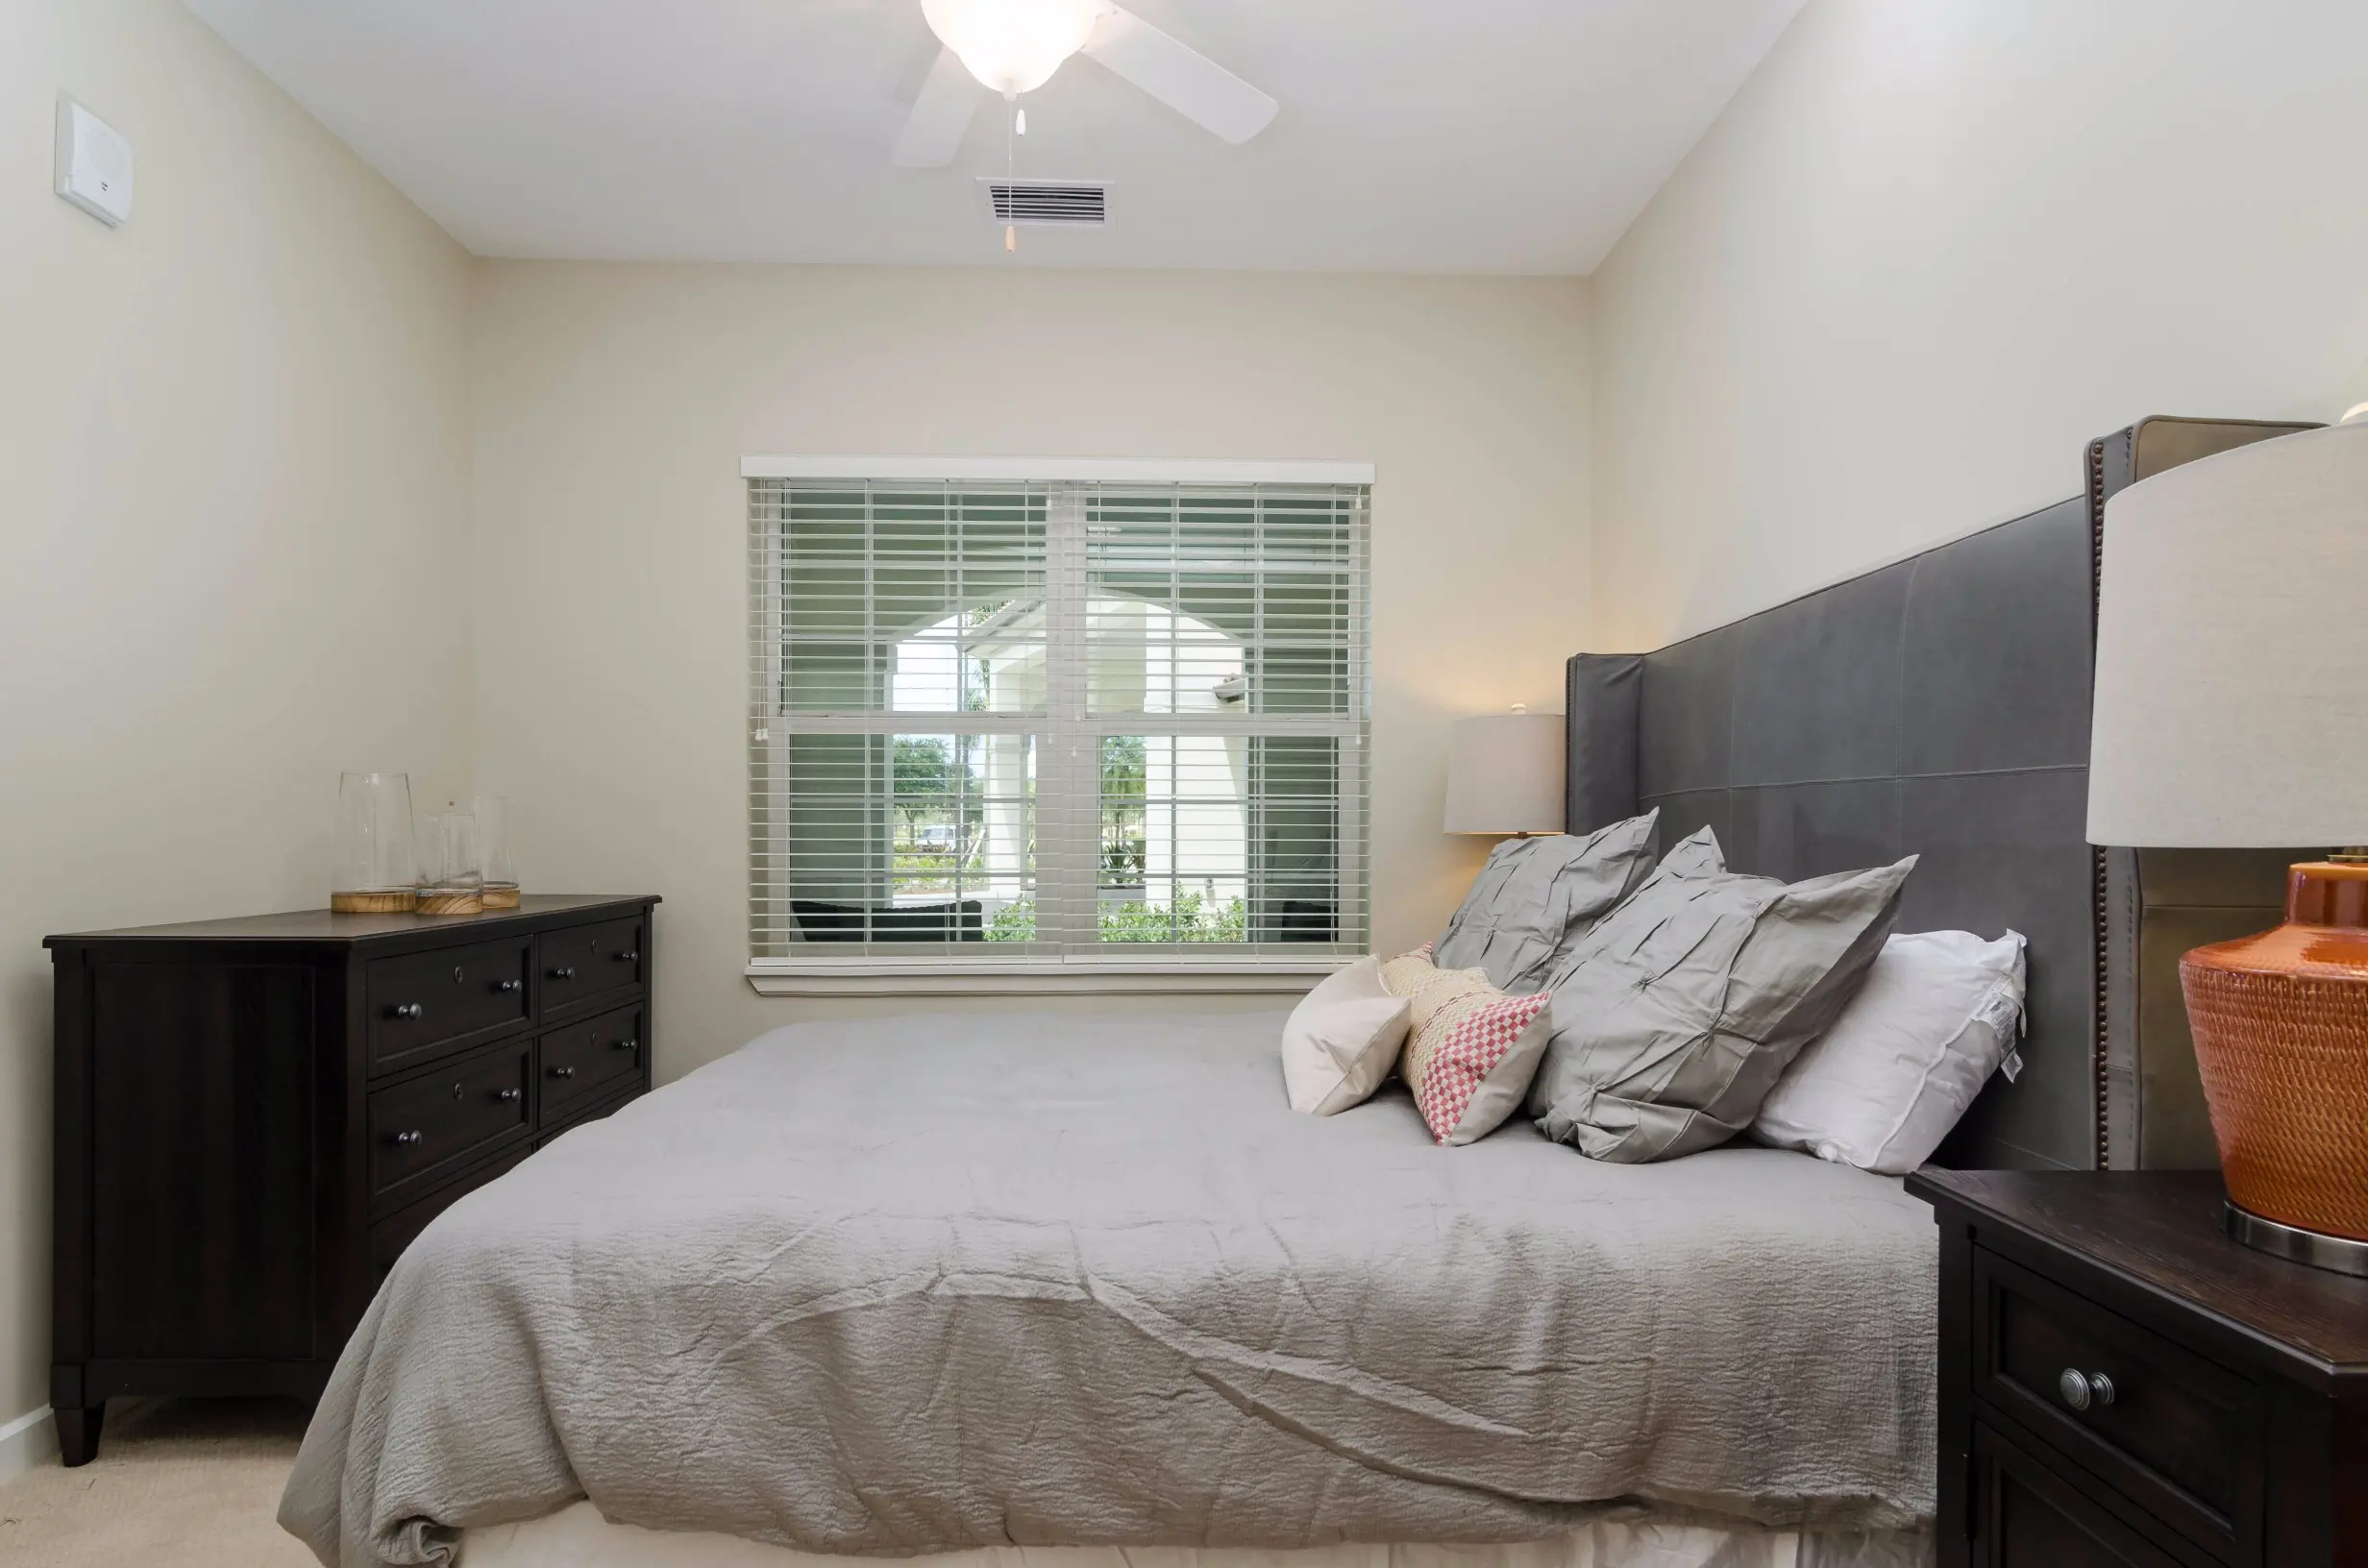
{"type": "Point", "coordinates": [232, 514]}
{"type": "Point", "coordinates": [1932, 249]}
{"type": "Point", "coordinates": [612, 406]}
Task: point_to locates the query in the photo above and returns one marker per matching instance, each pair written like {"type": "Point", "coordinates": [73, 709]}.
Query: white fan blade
{"type": "Point", "coordinates": [1189, 83]}
{"type": "Point", "coordinates": [940, 116]}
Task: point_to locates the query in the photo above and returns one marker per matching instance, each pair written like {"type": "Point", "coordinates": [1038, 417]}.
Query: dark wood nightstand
{"type": "Point", "coordinates": [2123, 1385]}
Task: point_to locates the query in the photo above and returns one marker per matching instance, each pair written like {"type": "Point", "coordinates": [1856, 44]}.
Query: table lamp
{"type": "Point", "coordinates": [2231, 712]}
{"type": "Point", "coordinates": [1505, 773]}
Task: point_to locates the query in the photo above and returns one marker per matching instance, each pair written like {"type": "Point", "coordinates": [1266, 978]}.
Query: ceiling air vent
{"type": "Point", "coordinates": [1067, 203]}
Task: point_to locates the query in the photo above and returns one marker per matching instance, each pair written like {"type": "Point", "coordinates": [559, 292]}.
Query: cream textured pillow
{"type": "Point", "coordinates": [1471, 1050]}
{"type": "Point", "coordinates": [1343, 1040]}
{"type": "Point", "coordinates": [1882, 1086]}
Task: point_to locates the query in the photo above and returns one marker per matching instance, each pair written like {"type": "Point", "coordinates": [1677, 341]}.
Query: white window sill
{"type": "Point", "coordinates": [908, 977]}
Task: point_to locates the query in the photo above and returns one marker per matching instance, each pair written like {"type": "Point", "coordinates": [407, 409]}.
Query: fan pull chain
{"type": "Point", "coordinates": [1012, 127]}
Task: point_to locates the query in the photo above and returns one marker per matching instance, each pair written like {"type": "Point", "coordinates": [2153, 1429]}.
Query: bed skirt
{"type": "Point", "coordinates": [576, 1536]}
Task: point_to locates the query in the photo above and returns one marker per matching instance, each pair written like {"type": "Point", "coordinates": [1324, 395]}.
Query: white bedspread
{"type": "Point", "coordinates": [576, 1536]}
{"type": "Point", "coordinates": [979, 1280]}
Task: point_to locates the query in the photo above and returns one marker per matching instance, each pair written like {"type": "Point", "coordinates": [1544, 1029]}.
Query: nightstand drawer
{"type": "Point", "coordinates": [2029, 1517]}
{"type": "Point", "coordinates": [2178, 1434]}
{"type": "Point", "coordinates": [422, 1003]}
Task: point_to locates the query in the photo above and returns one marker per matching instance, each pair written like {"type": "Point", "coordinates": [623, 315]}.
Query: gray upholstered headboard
{"type": "Point", "coordinates": [1940, 706]}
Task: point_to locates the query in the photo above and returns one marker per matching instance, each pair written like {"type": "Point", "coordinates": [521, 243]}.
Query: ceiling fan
{"type": "Point", "coordinates": [1014, 46]}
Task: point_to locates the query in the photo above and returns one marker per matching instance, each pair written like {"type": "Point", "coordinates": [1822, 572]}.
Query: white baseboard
{"type": "Point", "coordinates": [27, 1441]}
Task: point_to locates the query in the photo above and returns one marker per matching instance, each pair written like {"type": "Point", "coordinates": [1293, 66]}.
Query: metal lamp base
{"type": "Point", "coordinates": [2338, 1253]}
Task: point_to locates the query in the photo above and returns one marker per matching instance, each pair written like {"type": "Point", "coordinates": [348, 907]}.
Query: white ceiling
{"type": "Point", "coordinates": [1415, 135]}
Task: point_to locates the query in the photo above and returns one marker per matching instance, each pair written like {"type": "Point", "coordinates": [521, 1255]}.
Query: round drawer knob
{"type": "Point", "coordinates": [409, 1010]}
{"type": "Point", "coordinates": [565, 972]}
{"type": "Point", "coordinates": [563, 1072]}
{"type": "Point", "coordinates": [410, 1140]}
{"type": "Point", "coordinates": [509, 986]}
{"type": "Point", "coordinates": [506, 1095]}
{"type": "Point", "coordinates": [2082, 1389]}
{"type": "Point", "coordinates": [627, 1045]}
{"type": "Point", "coordinates": [629, 956]}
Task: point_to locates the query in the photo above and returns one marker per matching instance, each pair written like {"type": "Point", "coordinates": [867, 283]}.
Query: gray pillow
{"type": "Point", "coordinates": [1674, 1020]}
{"type": "Point", "coordinates": [1697, 854]}
{"type": "Point", "coordinates": [1537, 896]}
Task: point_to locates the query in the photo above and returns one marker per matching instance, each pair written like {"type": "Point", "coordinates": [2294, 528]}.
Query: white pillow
{"type": "Point", "coordinates": [1343, 1040]}
{"type": "Point", "coordinates": [1880, 1090]}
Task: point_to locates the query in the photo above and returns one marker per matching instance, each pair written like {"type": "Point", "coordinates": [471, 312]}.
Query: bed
{"type": "Point", "coordinates": [992, 1284]}
{"type": "Point", "coordinates": [968, 1281]}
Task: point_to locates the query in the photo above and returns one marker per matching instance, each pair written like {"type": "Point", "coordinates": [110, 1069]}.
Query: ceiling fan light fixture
{"type": "Point", "coordinates": [1013, 46]}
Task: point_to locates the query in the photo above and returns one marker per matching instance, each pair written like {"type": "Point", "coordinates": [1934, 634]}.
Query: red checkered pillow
{"type": "Point", "coordinates": [1472, 1049]}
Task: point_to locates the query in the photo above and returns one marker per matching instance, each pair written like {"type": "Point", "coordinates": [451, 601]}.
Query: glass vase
{"type": "Point", "coordinates": [498, 851]}
{"type": "Point", "coordinates": [377, 866]}
{"type": "Point", "coordinates": [451, 876]}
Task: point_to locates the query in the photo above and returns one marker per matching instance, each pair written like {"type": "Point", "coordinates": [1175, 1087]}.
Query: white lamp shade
{"type": "Point", "coordinates": [2232, 687]}
{"type": "Point", "coordinates": [1505, 774]}
{"type": "Point", "coordinates": [1013, 46]}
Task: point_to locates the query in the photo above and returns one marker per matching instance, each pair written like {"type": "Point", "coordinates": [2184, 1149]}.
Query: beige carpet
{"type": "Point", "coordinates": [178, 1483]}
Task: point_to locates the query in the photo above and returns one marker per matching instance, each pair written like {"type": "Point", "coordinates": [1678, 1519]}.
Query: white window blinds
{"type": "Point", "coordinates": [1000, 722]}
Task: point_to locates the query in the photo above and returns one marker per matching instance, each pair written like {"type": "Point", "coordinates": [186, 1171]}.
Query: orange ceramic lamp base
{"type": "Point", "coordinates": [2281, 1023]}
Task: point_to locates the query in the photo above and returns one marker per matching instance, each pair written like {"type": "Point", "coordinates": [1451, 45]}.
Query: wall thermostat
{"type": "Point", "coordinates": [94, 164]}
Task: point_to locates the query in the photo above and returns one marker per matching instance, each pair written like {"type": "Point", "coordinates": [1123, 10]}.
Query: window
{"type": "Point", "coordinates": [1072, 726]}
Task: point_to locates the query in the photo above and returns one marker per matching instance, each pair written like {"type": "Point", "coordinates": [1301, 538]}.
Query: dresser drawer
{"type": "Point", "coordinates": [400, 1229]}
{"type": "Point", "coordinates": [587, 1060]}
{"type": "Point", "coordinates": [422, 1004]}
{"type": "Point", "coordinates": [583, 1111]}
{"type": "Point", "coordinates": [423, 1128]}
{"type": "Point", "coordinates": [582, 966]}
{"type": "Point", "coordinates": [2178, 1434]}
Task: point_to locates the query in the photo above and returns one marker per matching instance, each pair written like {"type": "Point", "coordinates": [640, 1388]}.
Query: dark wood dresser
{"type": "Point", "coordinates": [2121, 1383]}
{"type": "Point", "coordinates": [255, 1116]}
